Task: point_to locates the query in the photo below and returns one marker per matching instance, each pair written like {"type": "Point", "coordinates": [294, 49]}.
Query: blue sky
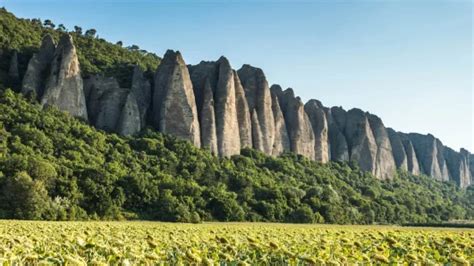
{"type": "Point", "coordinates": [410, 62]}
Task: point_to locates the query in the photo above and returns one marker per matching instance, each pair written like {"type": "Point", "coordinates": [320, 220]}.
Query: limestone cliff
{"type": "Point", "coordinates": [174, 105]}
{"type": "Point", "coordinates": [214, 107]}
{"type": "Point", "coordinates": [458, 164]}
{"type": "Point", "coordinates": [399, 153]}
{"type": "Point", "coordinates": [243, 114]}
{"type": "Point", "coordinates": [259, 100]}
{"type": "Point", "coordinates": [13, 72]}
{"type": "Point", "coordinates": [427, 149]}
{"type": "Point", "coordinates": [281, 144]}
{"type": "Point", "coordinates": [208, 120]}
{"type": "Point", "coordinates": [64, 86]}
{"type": "Point", "coordinates": [300, 130]}
{"type": "Point", "coordinates": [339, 149]}
{"type": "Point", "coordinates": [319, 122]}
{"type": "Point", "coordinates": [141, 90]}
{"type": "Point", "coordinates": [38, 67]}
{"type": "Point", "coordinates": [361, 141]}
{"type": "Point", "coordinates": [385, 167]}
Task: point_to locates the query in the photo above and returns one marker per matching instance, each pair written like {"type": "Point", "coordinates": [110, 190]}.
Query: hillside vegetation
{"type": "Point", "coordinates": [96, 55]}
{"type": "Point", "coordinates": [55, 167]}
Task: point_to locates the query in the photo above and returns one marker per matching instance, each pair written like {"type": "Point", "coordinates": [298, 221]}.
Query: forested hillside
{"type": "Point", "coordinates": [96, 55]}
{"type": "Point", "coordinates": [55, 167]}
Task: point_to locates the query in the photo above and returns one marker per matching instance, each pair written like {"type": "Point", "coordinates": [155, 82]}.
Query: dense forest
{"type": "Point", "coordinates": [56, 167]}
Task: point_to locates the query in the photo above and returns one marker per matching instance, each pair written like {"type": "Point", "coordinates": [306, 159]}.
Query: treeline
{"type": "Point", "coordinates": [55, 167]}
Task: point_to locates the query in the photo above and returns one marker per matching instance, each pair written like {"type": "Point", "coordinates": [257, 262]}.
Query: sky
{"type": "Point", "coordinates": [409, 62]}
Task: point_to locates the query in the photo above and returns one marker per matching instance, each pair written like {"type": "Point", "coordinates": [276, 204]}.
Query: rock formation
{"type": "Point", "coordinates": [95, 88]}
{"type": "Point", "coordinates": [220, 77]}
{"type": "Point", "coordinates": [317, 117]}
{"type": "Point", "coordinates": [281, 143]}
{"type": "Point", "coordinates": [339, 149]}
{"type": "Point", "coordinates": [300, 130]}
{"type": "Point", "coordinates": [361, 141]}
{"type": "Point", "coordinates": [110, 110]}
{"type": "Point", "coordinates": [174, 105]}
{"type": "Point", "coordinates": [257, 135]}
{"type": "Point", "coordinates": [243, 114]}
{"type": "Point", "coordinates": [64, 86]}
{"type": "Point", "coordinates": [412, 160]}
{"type": "Point", "coordinates": [458, 165]}
{"type": "Point", "coordinates": [471, 167]}
{"type": "Point", "coordinates": [385, 167]}
{"type": "Point", "coordinates": [116, 109]}
{"type": "Point", "coordinates": [227, 124]}
{"type": "Point", "coordinates": [259, 99]}
{"type": "Point", "coordinates": [222, 110]}
{"type": "Point", "coordinates": [13, 71]}
{"type": "Point", "coordinates": [141, 90]}
{"type": "Point", "coordinates": [427, 148]}
{"type": "Point", "coordinates": [208, 120]}
{"type": "Point", "coordinates": [38, 67]}
{"type": "Point", "coordinates": [130, 120]}
{"type": "Point", "coordinates": [399, 153]}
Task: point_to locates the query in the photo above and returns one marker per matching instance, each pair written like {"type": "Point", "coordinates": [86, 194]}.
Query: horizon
{"type": "Point", "coordinates": [391, 46]}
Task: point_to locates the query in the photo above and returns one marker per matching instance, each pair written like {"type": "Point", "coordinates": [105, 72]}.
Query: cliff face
{"type": "Point", "coordinates": [64, 86]}
{"type": "Point", "coordinates": [339, 149]}
{"type": "Point", "coordinates": [300, 130]}
{"type": "Point", "coordinates": [174, 105]}
{"type": "Point", "coordinates": [259, 100]}
{"type": "Point", "coordinates": [223, 110]}
{"type": "Point", "coordinates": [429, 151]}
{"type": "Point", "coordinates": [38, 65]}
{"type": "Point", "coordinates": [384, 162]}
{"type": "Point", "coordinates": [281, 144]}
{"type": "Point", "coordinates": [218, 77]}
{"type": "Point", "coordinates": [318, 118]}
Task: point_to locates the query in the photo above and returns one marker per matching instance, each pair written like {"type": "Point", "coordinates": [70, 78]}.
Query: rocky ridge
{"type": "Point", "coordinates": [218, 108]}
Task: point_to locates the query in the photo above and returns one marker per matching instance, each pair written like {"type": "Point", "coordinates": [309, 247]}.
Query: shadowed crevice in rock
{"type": "Point", "coordinates": [339, 149]}
{"type": "Point", "coordinates": [13, 72]}
{"type": "Point", "coordinates": [398, 150]}
{"type": "Point", "coordinates": [38, 68]}
{"type": "Point", "coordinates": [141, 90]}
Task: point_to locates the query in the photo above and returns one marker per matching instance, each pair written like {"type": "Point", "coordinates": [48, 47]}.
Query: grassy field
{"type": "Point", "coordinates": [150, 243]}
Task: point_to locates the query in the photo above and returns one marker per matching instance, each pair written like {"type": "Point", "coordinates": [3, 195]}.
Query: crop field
{"type": "Point", "coordinates": [150, 243]}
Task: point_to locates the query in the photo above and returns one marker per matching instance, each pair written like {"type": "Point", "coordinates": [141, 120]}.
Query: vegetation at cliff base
{"type": "Point", "coordinates": [125, 243]}
{"type": "Point", "coordinates": [55, 167]}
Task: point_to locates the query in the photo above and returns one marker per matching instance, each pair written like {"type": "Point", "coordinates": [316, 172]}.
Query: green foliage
{"type": "Point", "coordinates": [95, 55]}
{"type": "Point", "coordinates": [55, 167]}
